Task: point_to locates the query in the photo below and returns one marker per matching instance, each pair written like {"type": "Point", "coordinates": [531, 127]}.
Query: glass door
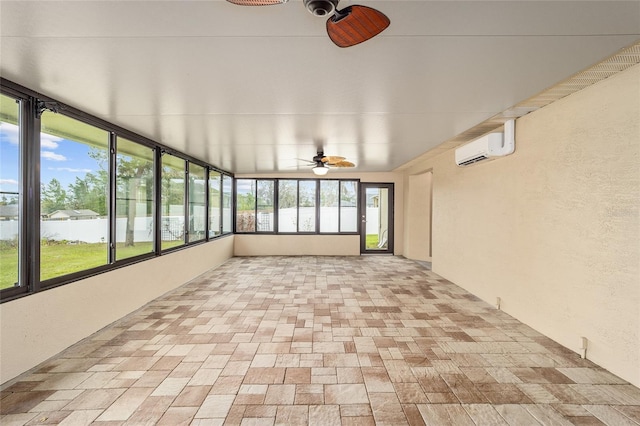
{"type": "Point", "coordinates": [376, 221]}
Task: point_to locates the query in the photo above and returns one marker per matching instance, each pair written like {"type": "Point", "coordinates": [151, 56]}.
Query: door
{"type": "Point", "coordinates": [376, 224]}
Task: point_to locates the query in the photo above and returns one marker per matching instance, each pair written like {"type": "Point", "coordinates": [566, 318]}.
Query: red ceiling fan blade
{"type": "Point", "coordinates": [256, 2]}
{"type": "Point", "coordinates": [355, 24]}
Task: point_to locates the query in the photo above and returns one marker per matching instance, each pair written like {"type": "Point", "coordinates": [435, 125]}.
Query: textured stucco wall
{"type": "Point", "coordinates": [43, 324]}
{"type": "Point", "coordinates": [417, 232]}
{"type": "Point", "coordinates": [554, 229]}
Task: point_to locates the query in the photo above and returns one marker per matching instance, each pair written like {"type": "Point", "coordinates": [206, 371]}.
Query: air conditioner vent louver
{"type": "Point", "coordinates": [474, 160]}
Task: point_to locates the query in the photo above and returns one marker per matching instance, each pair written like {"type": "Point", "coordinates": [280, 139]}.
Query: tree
{"type": "Point", "coordinates": [287, 194]}
{"type": "Point", "coordinates": [246, 200]}
{"type": "Point", "coordinates": [132, 174]}
{"type": "Point", "coordinates": [89, 193]}
{"type": "Point", "coordinates": [53, 197]}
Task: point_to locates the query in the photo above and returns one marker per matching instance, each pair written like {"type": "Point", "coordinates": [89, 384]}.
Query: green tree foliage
{"type": "Point", "coordinates": [265, 195]}
{"type": "Point", "coordinates": [89, 193]}
{"type": "Point", "coordinates": [329, 193]}
{"type": "Point", "coordinates": [307, 194]}
{"type": "Point", "coordinates": [172, 188]}
{"type": "Point", "coordinates": [349, 194]}
{"type": "Point", "coordinates": [133, 175]}
{"type": "Point", "coordinates": [287, 194]}
{"type": "Point", "coordinates": [54, 197]}
{"type": "Point", "coordinates": [246, 197]}
{"type": "Point", "coordinates": [4, 201]}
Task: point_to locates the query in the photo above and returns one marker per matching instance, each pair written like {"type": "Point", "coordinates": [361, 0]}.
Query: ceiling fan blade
{"type": "Point", "coordinates": [343, 163]}
{"type": "Point", "coordinates": [355, 24]}
{"type": "Point", "coordinates": [306, 161]}
{"type": "Point", "coordinates": [330, 159]}
{"type": "Point", "coordinates": [257, 2]}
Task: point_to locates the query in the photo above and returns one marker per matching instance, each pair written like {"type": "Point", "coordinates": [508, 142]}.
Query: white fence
{"type": "Point", "coordinates": [96, 230]}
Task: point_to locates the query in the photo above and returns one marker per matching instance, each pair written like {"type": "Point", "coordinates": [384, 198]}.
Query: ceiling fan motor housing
{"type": "Point", "coordinates": [321, 7]}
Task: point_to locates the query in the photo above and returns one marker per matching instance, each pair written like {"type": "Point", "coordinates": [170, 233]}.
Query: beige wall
{"type": "Point", "coordinates": [417, 231]}
{"type": "Point", "coordinates": [45, 323]}
{"type": "Point", "coordinates": [323, 245]}
{"type": "Point", "coordinates": [296, 245]}
{"type": "Point", "coordinates": [553, 229]}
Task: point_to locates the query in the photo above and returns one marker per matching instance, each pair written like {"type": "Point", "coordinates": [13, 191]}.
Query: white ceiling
{"type": "Point", "coordinates": [250, 89]}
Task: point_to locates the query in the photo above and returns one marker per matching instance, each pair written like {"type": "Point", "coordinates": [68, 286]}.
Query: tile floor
{"type": "Point", "coordinates": [319, 341]}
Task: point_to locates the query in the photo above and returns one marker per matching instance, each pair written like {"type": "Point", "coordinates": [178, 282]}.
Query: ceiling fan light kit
{"type": "Point", "coordinates": [320, 169]}
{"type": "Point", "coordinates": [347, 27]}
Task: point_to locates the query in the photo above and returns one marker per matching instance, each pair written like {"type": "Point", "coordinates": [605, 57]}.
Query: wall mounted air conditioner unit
{"type": "Point", "coordinates": [488, 147]}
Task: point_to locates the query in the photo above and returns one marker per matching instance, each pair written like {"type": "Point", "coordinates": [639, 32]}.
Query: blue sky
{"type": "Point", "coordinates": [63, 159]}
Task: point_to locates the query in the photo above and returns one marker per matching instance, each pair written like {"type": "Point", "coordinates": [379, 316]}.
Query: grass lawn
{"type": "Point", "coordinates": [63, 259]}
{"type": "Point", "coordinates": [372, 241]}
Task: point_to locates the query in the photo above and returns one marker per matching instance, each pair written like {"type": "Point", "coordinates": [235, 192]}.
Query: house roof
{"type": "Point", "coordinates": [75, 213]}
{"type": "Point", "coordinates": [9, 210]}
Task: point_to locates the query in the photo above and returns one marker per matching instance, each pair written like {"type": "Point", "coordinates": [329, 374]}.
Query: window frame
{"type": "Point", "coordinates": [276, 225]}
{"type": "Point", "coordinates": [26, 179]}
{"type": "Point", "coordinates": [31, 105]}
{"type": "Point", "coordinates": [114, 203]}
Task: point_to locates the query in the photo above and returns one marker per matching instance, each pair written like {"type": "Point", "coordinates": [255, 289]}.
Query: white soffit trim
{"type": "Point", "coordinates": [618, 62]}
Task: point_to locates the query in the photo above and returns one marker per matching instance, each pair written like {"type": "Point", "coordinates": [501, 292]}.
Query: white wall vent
{"type": "Point", "coordinates": [488, 146]}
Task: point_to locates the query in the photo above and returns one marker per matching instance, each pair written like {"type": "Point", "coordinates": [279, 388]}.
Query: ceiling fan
{"type": "Point", "coordinates": [322, 163]}
{"type": "Point", "coordinates": [347, 27]}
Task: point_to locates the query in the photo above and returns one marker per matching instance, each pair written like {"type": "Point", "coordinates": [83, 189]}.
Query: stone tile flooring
{"type": "Point", "coordinates": [320, 341]}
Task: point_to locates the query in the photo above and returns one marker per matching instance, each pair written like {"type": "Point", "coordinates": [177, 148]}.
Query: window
{"type": "Point", "coordinates": [79, 195]}
{"type": "Point", "coordinates": [172, 202]}
{"type": "Point", "coordinates": [197, 202]}
{"type": "Point", "coordinates": [134, 199]}
{"type": "Point", "coordinates": [348, 206]}
{"type": "Point", "coordinates": [245, 205]}
{"type": "Point", "coordinates": [288, 206]}
{"type": "Point", "coordinates": [227, 194]}
{"type": "Point", "coordinates": [254, 205]}
{"type": "Point", "coordinates": [10, 182]}
{"type": "Point", "coordinates": [74, 228]}
{"type": "Point", "coordinates": [215, 183]}
{"type": "Point", "coordinates": [265, 206]}
{"type": "Point", "coordinates": [307, 205]}
{"type": "Point", "coordinates": [329, 205]}
{"type": "Point", "coordinates": [303, 205]}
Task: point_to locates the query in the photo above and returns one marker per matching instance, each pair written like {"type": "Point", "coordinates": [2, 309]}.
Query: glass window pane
{"type": "Point", "coordinates": [307, 206]}
{"type": "Point", "coordinates": [349, 206]}
{"type": "Point", "coordinates": [245, 205]}
{"type": "Point", "coordinates": [227, 189]}
{"type": "Point", "coordinates": [9, 191]}
{"type": "Point", "coordinates": [214, 203]}
{"type": "Point", "coordinates": [74, 178]}
{"type": "Point", "coordinates": [265, 206]}
{"type": "Point", "coordinates": [172, 201]}
{"type": "Point", "coordinates": [134, 199]}
{"type": "Point", "coordinates": [197, 202]}
{"type": "Point", "coordinates": [288, 206]}
{"type": "Point", "coordinates": [329, 212]}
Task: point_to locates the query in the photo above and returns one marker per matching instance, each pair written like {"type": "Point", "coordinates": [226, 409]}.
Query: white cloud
{"type": "Point", "coordinates": [69, 169]}
{"type": "Point", "coordinates": [53, 156]}
{"type": "Point", "coordinates": [49, 141]}
{"type": "Point", "coordinates": [8, 182]}
{"type": "Point", "coordinates": [9, 133]}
